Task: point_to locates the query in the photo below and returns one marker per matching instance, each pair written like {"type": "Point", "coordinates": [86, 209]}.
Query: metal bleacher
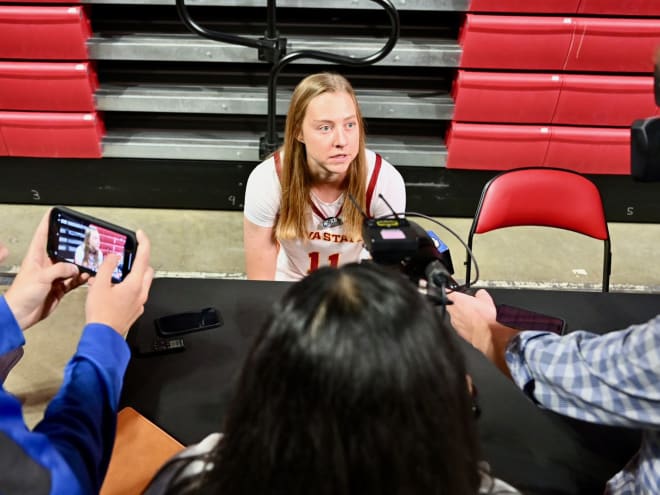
{"type": "Point", "coordinates": [169, 93]}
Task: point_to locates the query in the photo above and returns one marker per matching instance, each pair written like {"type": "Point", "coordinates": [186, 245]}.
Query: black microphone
{"type": "Point", "coordinates": [437, 275]}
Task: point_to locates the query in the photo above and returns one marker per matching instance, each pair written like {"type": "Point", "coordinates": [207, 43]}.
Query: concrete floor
{"type": "Point", "coordinates": [209, 244]}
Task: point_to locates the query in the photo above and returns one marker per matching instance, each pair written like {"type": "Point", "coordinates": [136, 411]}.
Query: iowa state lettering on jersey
{"type": "Point", "coordinates": [327, 236]}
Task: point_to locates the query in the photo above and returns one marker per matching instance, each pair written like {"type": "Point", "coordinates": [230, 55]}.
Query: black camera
{"type": "Point", "coordinates": [400, 243]}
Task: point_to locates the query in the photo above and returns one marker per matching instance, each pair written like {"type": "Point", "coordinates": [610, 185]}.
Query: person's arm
{"type": "Point", "coordinates": [74, 440]}
{"type": "Point", "coordinates": [609, 379]}
{"type": "Point", "coordinates": [260, 251]}
{"type": "Point", "coordinates": [474, 319]}
{"type": "Point", "coordinates": [262, 203]}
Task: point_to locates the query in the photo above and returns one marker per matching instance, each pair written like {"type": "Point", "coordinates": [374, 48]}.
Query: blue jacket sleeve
{"type": "Point", "coordinates": [11, 335]}
{"type": "Point", "coordinates": [75, 439]}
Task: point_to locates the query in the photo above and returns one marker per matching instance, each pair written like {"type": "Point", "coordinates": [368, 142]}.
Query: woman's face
{"type": "Point", "coordinates": [331, 135]}
{"type": "Point", "coordinates": [94, 239]}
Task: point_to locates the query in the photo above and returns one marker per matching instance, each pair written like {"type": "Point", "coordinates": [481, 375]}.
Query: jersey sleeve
{"type": "Point", "coordinates": [262, 195]}
{"type": "Point", "coordinates": [391, 186]}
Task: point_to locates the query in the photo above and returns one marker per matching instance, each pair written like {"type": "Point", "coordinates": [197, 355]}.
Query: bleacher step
{"type": "Point", "coordinates": [243, 146]}
{"type": "Point", "coordinates": [245, 100]}
{"type": "Point", "coordinates": [417, 52]}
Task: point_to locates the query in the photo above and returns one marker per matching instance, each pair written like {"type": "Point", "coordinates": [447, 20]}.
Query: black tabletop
{"type": "Point", "coordinates": [538, 451]}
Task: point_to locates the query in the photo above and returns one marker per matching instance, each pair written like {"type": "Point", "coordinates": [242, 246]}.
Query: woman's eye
{"type": "Point", "coordinates": [351, 125]}
{"type": "Point", "coordinates": [324, 128]}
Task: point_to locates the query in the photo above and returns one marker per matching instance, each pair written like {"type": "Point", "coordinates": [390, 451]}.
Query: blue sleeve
{"type": "Point", "coordinates": [75, 439]}
{"type": "Point", "coordinates": [11, 335]}
{"type": "Point", "coordinates": [609, 379]}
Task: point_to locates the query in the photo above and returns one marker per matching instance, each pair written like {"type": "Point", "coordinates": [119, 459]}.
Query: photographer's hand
{"type": "Point", "coordinates": [119, 305]}
{"type": "Point", "coordinates": [40, 284]}
{"type": "Point", "coordinates": [474, 319]}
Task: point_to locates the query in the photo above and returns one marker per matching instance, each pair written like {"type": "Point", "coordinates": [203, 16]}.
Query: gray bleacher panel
{"type": "Point", "coordinates": [151, 69]}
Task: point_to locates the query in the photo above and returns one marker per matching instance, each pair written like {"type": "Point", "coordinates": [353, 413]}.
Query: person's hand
{"type": "Point", "coordinates": [4, 252]}
{"type": "Point", "coordinates": [119, 305]}
{"type": "Point", "coordinates": [40, 284]}
{"type": "Point", "coordinates": [472, 316]}
{"type": "Point", "coordinates": [474, 319]}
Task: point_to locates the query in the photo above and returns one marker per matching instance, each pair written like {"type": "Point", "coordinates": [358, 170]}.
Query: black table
{"type": "Point", "coordinates": [536, 450]}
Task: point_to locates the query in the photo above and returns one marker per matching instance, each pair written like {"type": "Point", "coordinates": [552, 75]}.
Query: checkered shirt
{"type": "Point", "coordinates": [611, 379]}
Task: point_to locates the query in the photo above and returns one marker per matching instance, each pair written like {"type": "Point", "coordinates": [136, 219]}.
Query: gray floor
{"type": "Point", "coordinates": [191, 243]}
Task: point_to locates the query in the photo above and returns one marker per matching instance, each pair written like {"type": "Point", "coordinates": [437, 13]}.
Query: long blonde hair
{"type": "Point", "coordinates": [296, 179]}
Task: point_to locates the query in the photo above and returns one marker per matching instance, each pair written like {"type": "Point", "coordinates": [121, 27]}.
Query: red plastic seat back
{"type": "Point", "coordinates": [542, 197]}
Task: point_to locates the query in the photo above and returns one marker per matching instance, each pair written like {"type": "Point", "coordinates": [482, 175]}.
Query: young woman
{"type": "Point", "coordinates": [353, 386]}
{"type": "Point", "coordinates": [88, 253]}
{"type": "Point", "coordinates": [298, 211]}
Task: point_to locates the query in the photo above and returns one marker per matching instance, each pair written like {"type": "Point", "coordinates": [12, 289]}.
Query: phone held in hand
{"type": "Point", "coordinates": [190, 321]}
{"type": "Point", "coordinates": [525, 319]}
{"type": "Point", "coordinates": [85, 240]}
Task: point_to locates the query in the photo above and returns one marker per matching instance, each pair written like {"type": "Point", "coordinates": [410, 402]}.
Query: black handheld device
{"type": "Point", "coordinates": [190, 321]}
{"type": "Point", "coordinates": [85, 240]}
{"type": "Point", "coordinates": [525, 319]}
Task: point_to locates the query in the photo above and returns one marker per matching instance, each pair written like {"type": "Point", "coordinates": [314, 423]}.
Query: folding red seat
{"type": "Point", "coordinates": [52, 135]}
{"type": "Point", "coordinates": [620, 7]}
{"type": "Point", "coordinates": [614, 45]}
{"type": "Point", "coordinates": [515, 42]}
{"type": "Point", "coordinates": [505, 97]}
{"type": "Point", "coordinates": [3, 148]}
{"type": "Point", "coordinates": [590, 150]}
{"type": "Point", "coordinates": [495, 147]}
{"type": "Point", "coordinates": [43, 32]}
{"type": "Point", "coordinates": [603, 100]}
{"type": "Point", "coordinates": [512, 6]}
{"type": "Point", "coordinates": [47, 86]}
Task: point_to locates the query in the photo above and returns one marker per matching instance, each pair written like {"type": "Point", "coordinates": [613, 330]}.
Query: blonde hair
{"type": "Point", "coordinates": [296, 179]}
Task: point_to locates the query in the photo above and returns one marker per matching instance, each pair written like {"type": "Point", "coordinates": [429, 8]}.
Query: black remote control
{"type": "Point", "coordinates": [163, 346]}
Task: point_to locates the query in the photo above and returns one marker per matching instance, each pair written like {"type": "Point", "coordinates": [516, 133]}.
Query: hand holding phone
{"type": "Point", "coordinates": [84, 240]}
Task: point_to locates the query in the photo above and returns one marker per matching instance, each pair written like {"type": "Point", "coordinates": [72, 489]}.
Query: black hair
{"type": "Point", "coordinates": [354, 385]}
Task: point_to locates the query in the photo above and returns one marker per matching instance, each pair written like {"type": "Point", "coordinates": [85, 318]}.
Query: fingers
{"type": "Point", "coordinates": [483, 295]}
{"type": "Point", "coordinates": [40, 238]}
{"type": "Point", "coordinates": [104, 274]}
{"type": "Point", "coordinates": [60, 271]}
{"type": "Point", "coordinates": [143, 254]}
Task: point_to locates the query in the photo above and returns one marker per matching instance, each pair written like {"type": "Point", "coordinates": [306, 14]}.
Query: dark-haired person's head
{"type": "Point", "coordinates": [353, 386]}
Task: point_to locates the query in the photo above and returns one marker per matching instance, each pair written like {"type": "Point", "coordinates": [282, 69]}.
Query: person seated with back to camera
{"type": "Point", "coordinates": [298, 214]}
{"type": "Point", "coordinates": [354, 385]}
{"type": "Point", "coordinates": [69, 450]}
{"type": "Point", "coordinates": [611, 379]}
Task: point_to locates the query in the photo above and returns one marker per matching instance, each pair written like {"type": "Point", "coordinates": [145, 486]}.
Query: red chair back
{"type": "Point", "coordinates": [546, 197]}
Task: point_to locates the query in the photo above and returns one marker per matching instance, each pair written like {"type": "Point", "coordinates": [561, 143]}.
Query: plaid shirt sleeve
{"type": "Point", "coordinates": [611, 379]}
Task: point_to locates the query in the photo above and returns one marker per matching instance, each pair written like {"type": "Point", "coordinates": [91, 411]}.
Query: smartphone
{"type": "Point", "coordinates": [191, 321]}
{"type": "Point", "coordinates": [525, 319]}
{"type": "Point", "coordinates": [84, 240]}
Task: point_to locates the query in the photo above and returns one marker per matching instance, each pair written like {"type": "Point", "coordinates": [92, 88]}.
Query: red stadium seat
{"type": "Point", "coordinates": [515, 42]}
{"type": "Point", "coordinates": [590, 150]}
{"type": "Point", "coordinates": [604, 100]}
{"type": "Point", "coordinates": [47, 86]}
{"type": "Point", "coordinates": [527, 6]}
{"type": "Point", "coordinates": [52, 135]}
{"type": "Point", "coordinates": [495, 146]}
{"type": "Point", "coordinates": [545, 197]}
{"type": "Point", "coordinates": [614, 45]}
{"type": "Point", "coordinates": [3, 147]}
{"type": "Point", "coordinates": [620, 7]}
{"type": "Point", "coordinates": [43, 32]}
{"type": "Point", "coordinates": [505, 97]}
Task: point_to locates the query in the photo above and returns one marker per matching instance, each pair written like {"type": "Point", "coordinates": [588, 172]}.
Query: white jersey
{"type": "Point", "coordinates": [326, 245]}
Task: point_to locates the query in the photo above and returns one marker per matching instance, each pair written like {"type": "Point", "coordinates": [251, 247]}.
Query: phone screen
{"type": "Point", "coordinates": [525, 319]}
{"type": "Point", "coordinates": [85, 241]}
